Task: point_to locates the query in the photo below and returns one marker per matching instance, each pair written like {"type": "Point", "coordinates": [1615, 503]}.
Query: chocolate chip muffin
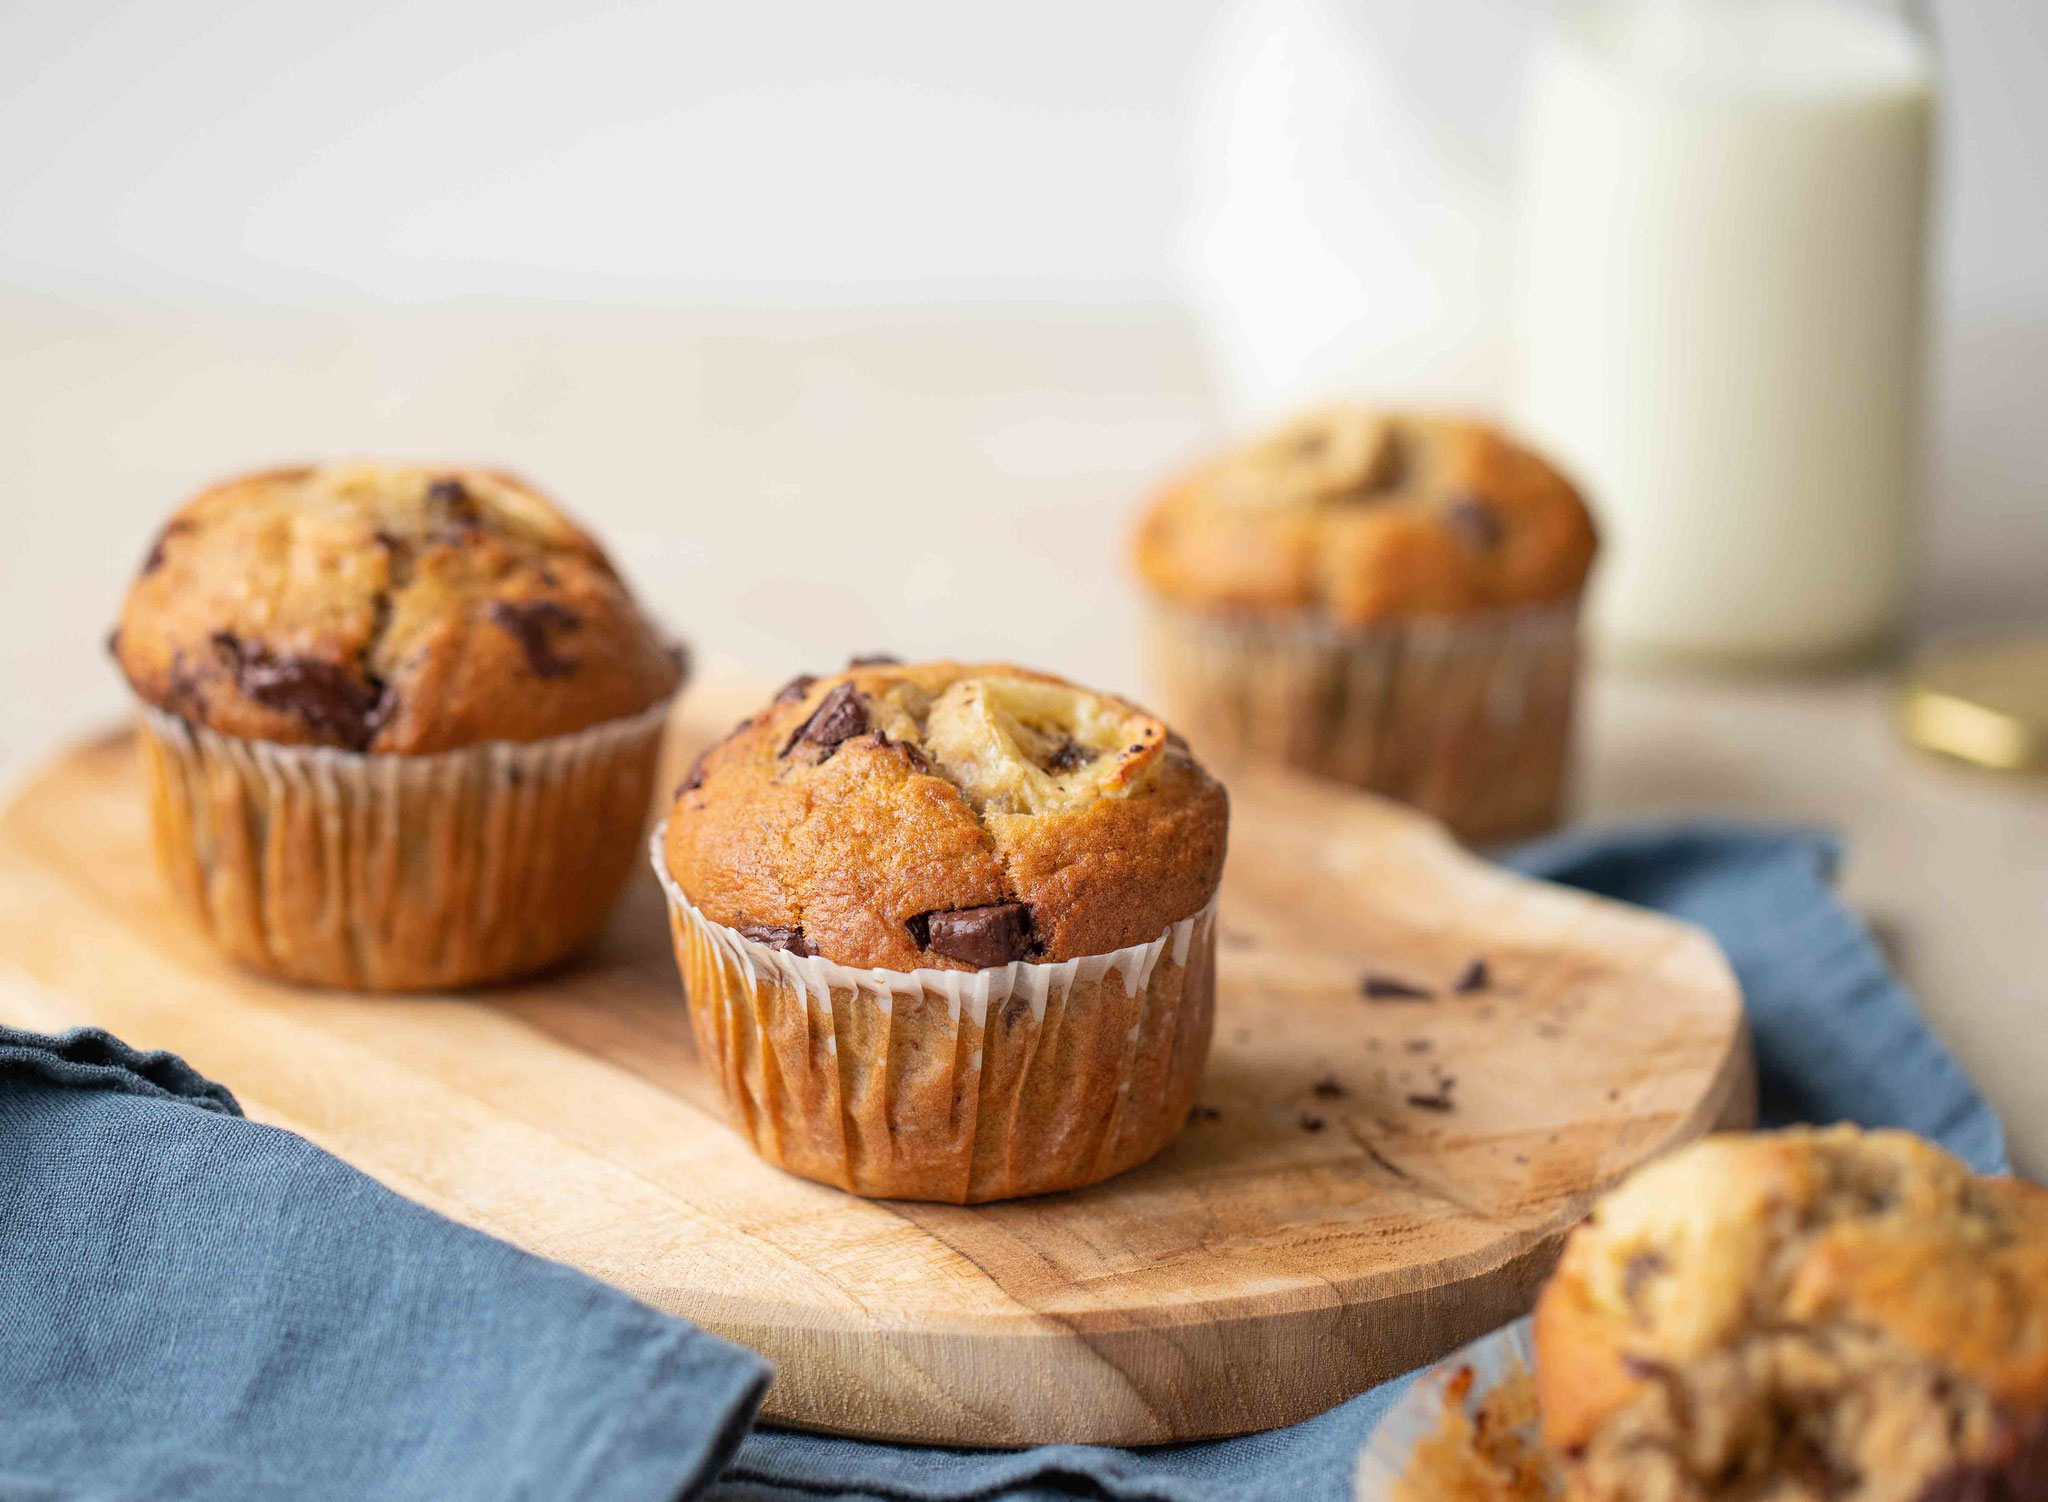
{"type": "Point", "coordinates": [1801, 1315]}
{"type": "Point", "coordinates": [947, 929]}
{"type": "Point", "coordinates": [1378, 597]}
{"type": "Point", "coordinates": [401, 723]}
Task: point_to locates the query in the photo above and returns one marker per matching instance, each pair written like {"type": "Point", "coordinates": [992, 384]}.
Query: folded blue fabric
{"type": "Point", "coordinates": [196, 1306]}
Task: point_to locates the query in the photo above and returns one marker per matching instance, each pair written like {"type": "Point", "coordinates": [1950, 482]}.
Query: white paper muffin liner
{"type": "Point", "coordinates": [946, 1084]}
{"type": "Point", "coordinates": [1466, 717]}
{"type": "Point", "coordinates": [391, 872]}
{"type": "Point", "coordinates": [1388, 1468]}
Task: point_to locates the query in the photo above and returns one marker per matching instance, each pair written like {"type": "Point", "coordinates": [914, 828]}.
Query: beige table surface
{"type": "Point", "coordinates": [790, 487]}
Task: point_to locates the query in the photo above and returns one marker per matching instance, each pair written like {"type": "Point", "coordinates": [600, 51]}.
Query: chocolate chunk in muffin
{"type": "Point", "coordinates": [950, 815]}
{"type": "Point", "coordinates": [386, 609]}
{"type": "Point", "coordinates": [977, 936]}
{"type": "Point", "coordinates": [535, 624]}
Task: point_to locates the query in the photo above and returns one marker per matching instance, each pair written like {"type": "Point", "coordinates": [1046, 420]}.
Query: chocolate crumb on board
{"type": "Point", "coordinates": [779, 936]}
{"type": "Point", "coordinates": [1205, 1113]}
{"type": "Point", "coordinates": [1437, 1100]}
{"type": "Point", "coordinates": [1390, 988]}
{"type": "Point", "coordinates": [1310, 1122]}
{"type": "Point", "coordinates": [1474, 977]}
{"type": "Point", "coordinates": [1329, 1087]}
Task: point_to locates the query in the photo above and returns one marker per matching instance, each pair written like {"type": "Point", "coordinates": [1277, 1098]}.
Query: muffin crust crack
{"type": "Point", "coordinates": [948, 815]}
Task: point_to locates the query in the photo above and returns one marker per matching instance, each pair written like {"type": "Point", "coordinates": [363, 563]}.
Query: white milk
{"type": "Point", "coordinates": [1718, 304]}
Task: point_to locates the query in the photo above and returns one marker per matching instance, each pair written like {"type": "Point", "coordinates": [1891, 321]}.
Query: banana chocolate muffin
{"type": "Point", "coordinates": [947, 929]}
{"type": "Point", "coordinates": [1378, 597]}
{"type": "Point", "coordinates": [401, 722]}
{"type": "Point", "coordinates": [1810, 1314]}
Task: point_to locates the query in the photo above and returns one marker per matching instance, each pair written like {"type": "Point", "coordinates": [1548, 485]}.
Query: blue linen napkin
{"type": "Point", "coordinates": [195, 1306]}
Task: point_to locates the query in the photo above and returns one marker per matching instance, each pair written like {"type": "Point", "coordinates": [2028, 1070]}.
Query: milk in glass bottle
{"type": "Point", "coordinates": [1720, 269]}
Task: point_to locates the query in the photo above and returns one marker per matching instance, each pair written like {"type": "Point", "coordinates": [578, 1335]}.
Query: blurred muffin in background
{"type": "Point", "coordinates": [1383, 598]}
{"type": "Point", "coordinates": [947, 929]}
{"type": "Point", "coordinates": [1801, 1316]}
{"type": "Point", "coordinates": [400, 723]}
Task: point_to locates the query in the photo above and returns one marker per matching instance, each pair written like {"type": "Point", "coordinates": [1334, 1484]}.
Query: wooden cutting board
{"type": "Point", "coordinates": [1368, 1182]}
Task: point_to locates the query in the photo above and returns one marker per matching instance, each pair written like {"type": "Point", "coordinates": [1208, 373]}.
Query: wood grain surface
{"type": "Point", "coordinates": [1370, 1180]}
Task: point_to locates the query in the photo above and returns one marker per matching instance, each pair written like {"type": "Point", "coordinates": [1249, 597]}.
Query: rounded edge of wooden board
{"type": "Point", "coordinates": [1146, 1376]}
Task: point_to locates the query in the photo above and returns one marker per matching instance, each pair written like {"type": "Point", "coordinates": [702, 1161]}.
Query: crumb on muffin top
{"type": "Point", "coordinates": [1866, 1280]}
{"type": "Point", "coordinates": [404, 609]}
{"type": "Point", "coordinates": [1365, 516]}
{"type": "Point", "coordinates": [947, 816]}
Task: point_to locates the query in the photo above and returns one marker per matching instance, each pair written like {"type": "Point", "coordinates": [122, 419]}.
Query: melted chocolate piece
{"type": "Point", "coordinates": [1475, 522]}
{"type": "Point", "coordinates": [1389, 988]}
{"type": "Point", "coordinates": [842, 715]}
{"type": "Point", "coordinates": [1329, 1087]}
{"type": "Point", "coordinates": [1474, 977]}
{"type": "Point", "coordinates": [332, 699]}
{"type": "Point", "coordinates": [530, 622]}
{"type": "Point", "coordinates": [874, 660]}
{"type": "Point", "coordinates": [454, 502]}
{"type": "Point", "coordinates": [777, 936]}
{"type": "Point", "coordinates": [795, 689]}
{"type": "Point", "coordinates": [977, 936]}
{"type": "Point", "coordinates": [1310, 1122]}
{"type": "Point", "coordinates": [1067, 755]}
{"type": "Point", "coordinates": [912, 754]}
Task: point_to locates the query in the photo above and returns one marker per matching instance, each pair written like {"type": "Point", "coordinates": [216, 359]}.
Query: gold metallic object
{"type": "Point", "coordinates": [1982, 697]}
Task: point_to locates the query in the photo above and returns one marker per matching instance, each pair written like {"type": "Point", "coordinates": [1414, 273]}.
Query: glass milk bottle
{"type": "Point", "coordinates": [1720, 270]}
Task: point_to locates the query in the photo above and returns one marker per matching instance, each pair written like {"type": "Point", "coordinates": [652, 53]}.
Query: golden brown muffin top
{"type": "Point", "coordinates": [1365, 516]}
{"type": "Point", "coordinates": [404, 609]}
{"type": "Point", "coordinates": [947, 816]}
{"type": "Point", "coordinates": [1868, 1275]}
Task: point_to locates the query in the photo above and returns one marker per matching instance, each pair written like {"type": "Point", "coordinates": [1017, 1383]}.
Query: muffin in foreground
{"type": "Point", "coordinates": [1810, 1314]}
{"type": "Point", "coordinates": [400, 724]}
{"type": "Point", "coordinates": [947, 929]}
{"type": "Point", "coordinates": [1386, 599]}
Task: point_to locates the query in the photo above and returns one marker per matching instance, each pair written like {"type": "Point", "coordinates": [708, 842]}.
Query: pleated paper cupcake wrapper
{"type": "Point", "coordinates": [1466, 717]}
{"type": "Point", "coordinates": [1416, 1452]}
{"type": "Point", "coordinates": [951, 1085]}
{"type": "Point", "coordinates": [388, 872]}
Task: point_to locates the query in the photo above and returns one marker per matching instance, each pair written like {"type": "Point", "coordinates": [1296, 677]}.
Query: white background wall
{"type": "Point", "coordinates": [805, 149]}
{"type": "Point", "coordinates": [816, 152]}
